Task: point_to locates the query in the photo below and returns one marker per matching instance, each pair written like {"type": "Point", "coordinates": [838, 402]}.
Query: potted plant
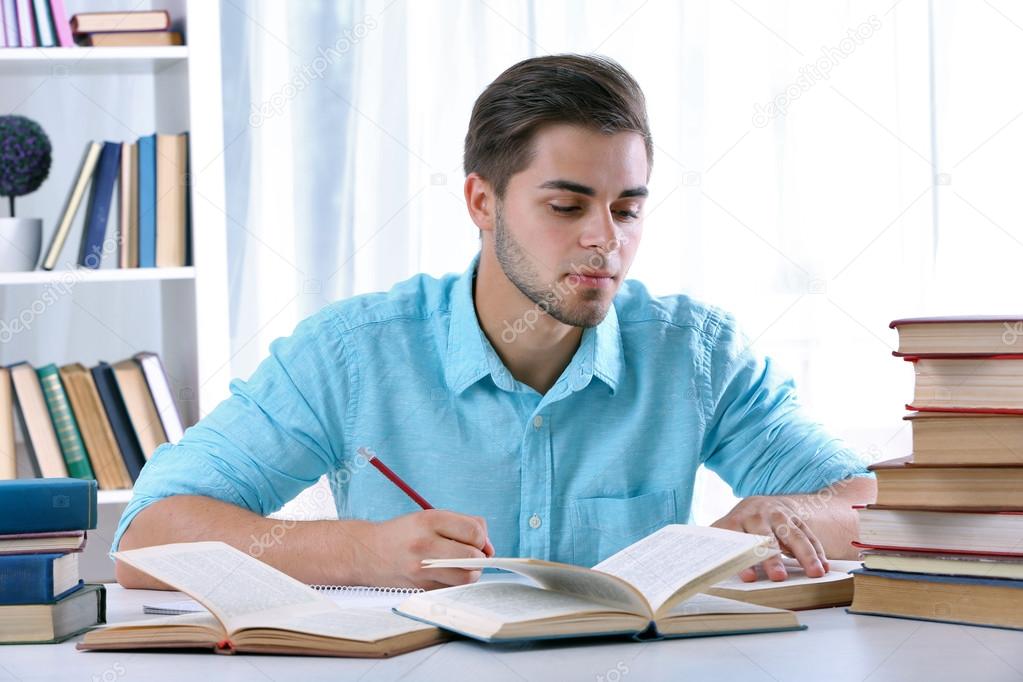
{"type": "Point", "coordinates": [24, 164]}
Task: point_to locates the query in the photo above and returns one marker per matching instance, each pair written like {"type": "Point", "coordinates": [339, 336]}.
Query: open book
{"type": "Point", "coordinates": [650, 589]}
{"type": "Point", "coordinates": [254, 608]}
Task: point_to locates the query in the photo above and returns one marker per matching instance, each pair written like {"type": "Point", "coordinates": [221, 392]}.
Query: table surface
{"type": "Point", "coordinates": [837, 646]}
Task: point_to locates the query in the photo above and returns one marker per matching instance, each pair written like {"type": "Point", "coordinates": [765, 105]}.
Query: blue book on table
{"type": "Point", "coordinates": [45, 505]}
{"type": "Point", "coordinates": [147, 201]}
{"type": "Point", "coordinates": [101, 197]}
{"type": "Point", "coordinates": [37, 578]}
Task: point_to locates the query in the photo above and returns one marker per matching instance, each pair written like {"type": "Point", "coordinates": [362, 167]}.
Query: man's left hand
{"type": "Point", "coordinates": [777, 517]}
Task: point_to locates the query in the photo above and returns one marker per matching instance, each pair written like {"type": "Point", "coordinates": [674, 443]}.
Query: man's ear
{"type": "Point", "coordinates": [481, 202]}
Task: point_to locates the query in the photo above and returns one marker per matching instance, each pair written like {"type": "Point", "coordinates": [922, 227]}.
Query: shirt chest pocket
{"type": "Point", "coordinates": [603, 525]}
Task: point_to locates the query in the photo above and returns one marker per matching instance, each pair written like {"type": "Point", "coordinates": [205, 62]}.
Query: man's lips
{"type": "Point", "coordinates": [591, 278]}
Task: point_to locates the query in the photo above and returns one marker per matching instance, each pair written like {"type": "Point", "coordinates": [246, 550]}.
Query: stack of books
{"type": "Point", "coordinates": [101, 423]}
{"type": "Point", "coordinates": [150, 179]}
{"type": "Point", "coordinates": [34, 23]}
{"type": "Point", "coordinates": [147, 28]}
{"type": "Point", "coordinates": [945, 539]}
{"type": "Point", "coordinates": [42, 531]}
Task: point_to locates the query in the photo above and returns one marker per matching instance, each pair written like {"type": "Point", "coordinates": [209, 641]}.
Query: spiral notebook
{"type": "Point", "coordinates": [344, 595]}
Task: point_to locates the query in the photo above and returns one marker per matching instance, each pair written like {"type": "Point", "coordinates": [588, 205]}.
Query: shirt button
{"type": "Point", "coordinates": [537, 423]}
{"type": "Point", "coordinates": [534, 521]}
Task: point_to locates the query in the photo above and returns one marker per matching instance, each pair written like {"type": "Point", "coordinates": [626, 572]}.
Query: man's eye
{"type": "Point", "coordinates": [564, 209]}
{"type": "Point", "coordinates": [630, 215]}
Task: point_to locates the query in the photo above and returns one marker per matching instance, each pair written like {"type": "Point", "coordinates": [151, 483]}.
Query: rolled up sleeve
{"type": "Point", "coordinates": [273, 437]}
{"type": "Point", "coordinates": [758, 437]}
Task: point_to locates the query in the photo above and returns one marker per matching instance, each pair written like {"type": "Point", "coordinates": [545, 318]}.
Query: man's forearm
{"type": "Point", "coordinates": [315, 552]}
{"type": "Point", "coordinates": [829, 514]}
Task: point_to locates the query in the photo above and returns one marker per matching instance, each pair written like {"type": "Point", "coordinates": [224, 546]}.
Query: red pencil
{"type": "Point", "coordinates": [395, 478]}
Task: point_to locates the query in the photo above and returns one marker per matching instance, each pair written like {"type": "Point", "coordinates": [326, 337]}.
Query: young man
{"type": "Point", "coordinates": [557, 410]}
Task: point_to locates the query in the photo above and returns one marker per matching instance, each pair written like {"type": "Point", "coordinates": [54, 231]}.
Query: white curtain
{"type": "Point", "coordinates": [815, 168]}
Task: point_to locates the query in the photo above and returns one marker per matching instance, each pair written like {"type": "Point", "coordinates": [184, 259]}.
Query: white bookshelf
{"type": "Point", "coordinates": [82, 94]}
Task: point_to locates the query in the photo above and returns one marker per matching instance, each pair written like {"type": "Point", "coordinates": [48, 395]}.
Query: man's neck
{"type": "Point", "coordinates": [534, 346]}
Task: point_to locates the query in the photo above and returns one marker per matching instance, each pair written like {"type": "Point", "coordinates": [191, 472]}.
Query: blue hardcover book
{"type": "Point", "coordinates": [45, 505]}
{"type": "Point", "coordinates": [117, 413]}
{"type": "Point", "coordinates": [38, 578]}
{"type": "Point", "coordinates": [101, 196]}
{"type": "Point", "coordinates": [147, 201]}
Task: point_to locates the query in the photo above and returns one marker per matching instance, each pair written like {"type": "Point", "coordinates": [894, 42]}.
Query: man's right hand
{"type": "Point", "coordinates": [392, 551]}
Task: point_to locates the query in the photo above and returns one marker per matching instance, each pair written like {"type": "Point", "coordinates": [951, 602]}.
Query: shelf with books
{"type": "Point", "coordinates": [87, 276]}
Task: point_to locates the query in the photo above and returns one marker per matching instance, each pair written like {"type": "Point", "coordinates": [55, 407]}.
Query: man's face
{"type": "Point", "coordinates": [569, 225]}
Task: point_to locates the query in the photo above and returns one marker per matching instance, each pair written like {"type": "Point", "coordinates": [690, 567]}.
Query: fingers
{"type": "Point", "coordinates": [818, 547]}
{"type": "Point", "coordinates": [469, 530]}
{"type": "Point", "coordinates": [793, 537]}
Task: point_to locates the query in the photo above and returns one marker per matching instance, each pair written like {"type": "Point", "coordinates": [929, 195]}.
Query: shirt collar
{"type": "Point", "coordinates": [470, 356]}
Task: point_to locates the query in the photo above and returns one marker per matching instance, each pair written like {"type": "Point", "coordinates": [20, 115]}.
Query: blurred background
{"type": "Point", "coordinates": [821, 168]}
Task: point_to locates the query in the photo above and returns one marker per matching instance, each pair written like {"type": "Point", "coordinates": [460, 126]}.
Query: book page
{"type": "Point", "coordinates": [501, 602]}
{"type": "Point", "coordinates": [564, 578]}
{"type": "Point", "coordinates": [357, 624]}
{"type": "Point", "coordinates": [228, 582]}
{"type": "Point", "coordinates": [681, 556]}
{"type": "Point", "coordinates": [704, 604]}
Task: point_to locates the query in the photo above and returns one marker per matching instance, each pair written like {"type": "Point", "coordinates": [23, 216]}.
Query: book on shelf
{"type": "Point", "coordinates": [287, 618]}
{"type": "Point", "coordinates": [34, 23]}
{"type": "Point", "coordinates": [966, 438]}
{"type": "Point", "coordinates": [651, 589]}
{"type": "Point", "coordinates": [992, 384]}
{"type": "Point", "coordinates": [992, 602]}
{"type": "Point", "coordinates": [40, 437]}
{"type": "Point", "coordinates": [117, 416]}
{"type": "Point", "coordinates": [38, 578]}
{"type": "Point", "coordinates": [64, 423]}
{"type": "Point", "coordinates": [147, 201]}
{"type": "Point", "coordinates": [941, 531]}
{"type": "Point", "coordinates": [74, 201]}
{"type": "Point", "coordinates": [26, 23]}
{"type": "Point", "coordinates": [962, 335]}
{"type": "Point", "coordinates": [171, 178]}
{"type": "Point", "coordinates": [132, 39]}
{"type": "Point", "coordinates": [8, 451]}
{"type": "Point", "coordinates": [943, 563]}
{"type": "Point", "coordinates": [108, 22]}
{"type": "Point", "coordinates": [97, 213]}
{"type": "Point", "coordinates": [45, 29]}
{"type": "Point", "coordinates": [10, 14]}
{"type": "Point", "coordinates": [139, 405]}
{"type": "Point", "coordinates": [904, 483]}
{"type": "Point", "coordinates": [128, 232]}
{"type": "Point", "coordinates": [797, 592]}
{"type": "Point", "coordinates": [163, 398]}
{"type": "Point", "coordinates": [108, 465]}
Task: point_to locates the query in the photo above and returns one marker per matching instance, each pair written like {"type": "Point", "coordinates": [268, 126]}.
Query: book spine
{"type": "Point", "coordinates": [44, 24]}
{"type": "Point", "coordinates": [91, 253]}
{"type": "Point", "coordinates": [147, 201]}
{"type": "Point", "coordinates": [117, 414]}
{"type": "Point", "coordinates": [26, 578]}
{"type": "Point", "coordinates": [159, 388]}
{"type": "Point", "coordinates": [47, 505]}
{"type": "Point", "coordinates": [26, 30]}
{"type": "Point", "coordinates": [171, 167]}
{"type": "Point", "coordinates": [11, 24]}
{"type": "Point", "coordinates": [64, 423]}
{"type": "Point", "coordinates": [74, 200]}
{"type": "Point", "coordinates": [128, 257]}
{"type": "Point", "coordinates": [60, 23]}
{"type": "Point", "coordinates": [8, 454]}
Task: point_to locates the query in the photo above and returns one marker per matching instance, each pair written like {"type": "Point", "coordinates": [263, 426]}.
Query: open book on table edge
{"type": "Point", "coordinates": [646, 590]}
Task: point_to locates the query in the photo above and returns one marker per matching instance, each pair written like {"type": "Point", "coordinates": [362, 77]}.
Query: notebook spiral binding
{"type": "Point", "coordinates": [367, 588]}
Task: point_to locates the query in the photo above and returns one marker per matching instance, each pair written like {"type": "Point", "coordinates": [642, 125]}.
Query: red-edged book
{"type": "Point", "coordinates": [983, 487]}
{"type": "Point", "coordinates": [959, 336]}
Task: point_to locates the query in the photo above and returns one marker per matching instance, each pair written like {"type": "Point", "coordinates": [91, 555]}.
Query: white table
{"type": "Point", "coordinates": [837, 646]}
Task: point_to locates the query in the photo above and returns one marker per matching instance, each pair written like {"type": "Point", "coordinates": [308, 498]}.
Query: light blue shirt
{"type": "Point", "coordinates": [605, 457]}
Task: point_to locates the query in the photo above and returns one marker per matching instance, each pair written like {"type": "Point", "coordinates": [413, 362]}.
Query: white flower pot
{"type": "Point", "coordinates": [20, 242]}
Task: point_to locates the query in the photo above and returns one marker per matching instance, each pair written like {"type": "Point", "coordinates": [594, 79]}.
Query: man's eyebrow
{"type": "Point", "coordinates": [577, 188]}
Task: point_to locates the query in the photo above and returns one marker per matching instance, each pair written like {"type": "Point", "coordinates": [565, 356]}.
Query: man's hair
{"type": "Point", "coordinates": [590, 91]}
